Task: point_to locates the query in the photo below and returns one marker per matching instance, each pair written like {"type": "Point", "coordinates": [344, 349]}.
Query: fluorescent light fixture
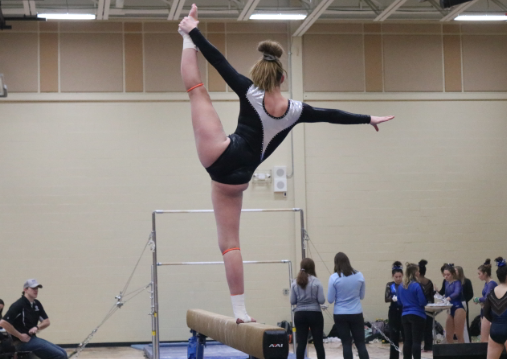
{"type": "Point", "coordinates": [267, 16]}
{"type": "Point", "coordinates": [67, 16]}
{"type": "Point", "coordinates": [481, 18]}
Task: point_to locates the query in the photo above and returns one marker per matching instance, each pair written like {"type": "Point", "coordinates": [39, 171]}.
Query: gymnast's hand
{"type": "Point", "coordinates": [189, 22]}
{"type": "Point", "coordinates": [375, 120]}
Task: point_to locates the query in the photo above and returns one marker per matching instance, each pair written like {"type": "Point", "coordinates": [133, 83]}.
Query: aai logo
{"type": "Point", "coordinates": [276, 345]}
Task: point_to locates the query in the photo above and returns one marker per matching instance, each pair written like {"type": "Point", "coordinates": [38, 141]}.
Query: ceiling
{"type": "Point", "coordinates": [240, 10]}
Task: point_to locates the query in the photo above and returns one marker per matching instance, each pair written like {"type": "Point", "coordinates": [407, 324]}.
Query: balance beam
{"type": "Point", "coordinates": [257, 340]}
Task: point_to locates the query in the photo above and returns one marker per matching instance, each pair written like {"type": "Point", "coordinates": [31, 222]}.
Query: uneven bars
{"type": "Point", "coordinates": [154, 274]}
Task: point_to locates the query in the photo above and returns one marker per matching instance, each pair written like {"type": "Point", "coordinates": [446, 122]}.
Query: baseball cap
{"type": "Point", "coordinates": [32, 283]}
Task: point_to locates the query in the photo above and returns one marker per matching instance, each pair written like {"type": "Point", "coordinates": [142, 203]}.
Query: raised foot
{"type": "Point", "coordinates": [193, 11]}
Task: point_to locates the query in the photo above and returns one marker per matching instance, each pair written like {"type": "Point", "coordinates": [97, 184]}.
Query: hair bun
{"type": "Point", "coordinates": [397, 264]}
{"type": "Point", "coordinates": [423, 262]}
{"type": "Point", "coordinates": [499, 259]}
{"type": "Point", "coordinates": [270, 47]}
{"type": "Point", "coordinates": [487, 262]}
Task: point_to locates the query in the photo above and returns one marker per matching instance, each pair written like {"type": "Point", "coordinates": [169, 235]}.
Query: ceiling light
{"type": "Point", "coordinates": [481, 18]}
{"type": "Point", "coordinates": [267, 16]}
{"type": "Point", "coordinates": [67, 16]}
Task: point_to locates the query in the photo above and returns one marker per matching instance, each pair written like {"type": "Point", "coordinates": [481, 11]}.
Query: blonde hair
{"type": "Point", "coordinates": [410, 271]}
{"type": "Point", "coordinates": [460, 274]}
{"type": "Point", "coordinates": [267, 73]}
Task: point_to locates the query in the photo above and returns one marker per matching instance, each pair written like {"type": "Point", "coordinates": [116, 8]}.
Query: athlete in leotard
{"type": "Point", "coordinates": [484, 273]}
{"type": "Point", "coordinates": [455, 323]}
{"type": "Point", "coordinates": [495, 310]}
{"type": "Point", "coordinates": [265, 119]}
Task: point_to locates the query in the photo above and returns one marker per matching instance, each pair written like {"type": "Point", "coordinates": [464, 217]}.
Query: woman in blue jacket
{"type": "Point", "coordinates": [413, 317]}
{"type": "Point", "coordinates": [346, 290]}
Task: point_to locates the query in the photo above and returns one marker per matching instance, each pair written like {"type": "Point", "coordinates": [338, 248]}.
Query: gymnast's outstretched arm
{"type": "Point", "coordinates": [315, 114]}
{"type": "Point", "coordinates": [239, 83]}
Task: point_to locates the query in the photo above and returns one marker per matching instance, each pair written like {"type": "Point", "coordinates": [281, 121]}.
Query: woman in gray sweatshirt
{"type": "Point", "coordinates": [307, 294]}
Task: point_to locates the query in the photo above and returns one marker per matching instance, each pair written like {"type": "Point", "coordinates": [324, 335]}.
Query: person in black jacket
{"type": "Point", "coordinates": [429, 292]}
{"type": "Point", "coordinates": [265, 118]}
{"type": "Point", "coordinates": [468, 294]}
{"type": "Point", "coordinates": [394, 314]}
{"type": "Point", "coordinates": [442, 288]}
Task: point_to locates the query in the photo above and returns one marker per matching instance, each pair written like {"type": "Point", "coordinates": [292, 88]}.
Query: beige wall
{"type": "Point", "coordinates": [338, 57]}
{"type": "Point", "coordinates": [430, 185]}
{"type": "Point", "coordinates": [79, 184]}
{"type": "Point", "coordinates": [81, 171]}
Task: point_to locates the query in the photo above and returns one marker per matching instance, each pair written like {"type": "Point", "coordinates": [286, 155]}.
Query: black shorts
{"type": "Point", "coordinates": [237, 164]}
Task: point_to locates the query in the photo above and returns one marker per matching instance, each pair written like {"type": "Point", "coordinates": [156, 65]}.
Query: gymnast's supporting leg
{"type": "Point", "coordinates": [227, 202]}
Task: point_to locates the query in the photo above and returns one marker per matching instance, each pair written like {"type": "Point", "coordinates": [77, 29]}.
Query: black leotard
{"type": "Point", "coordinates": [495, 310]}
{"type": "Point", "coordinates": [258, 133]}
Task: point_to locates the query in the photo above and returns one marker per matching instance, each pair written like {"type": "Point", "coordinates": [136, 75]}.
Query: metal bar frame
{"type": "Point", "coordinates": [154, 272]}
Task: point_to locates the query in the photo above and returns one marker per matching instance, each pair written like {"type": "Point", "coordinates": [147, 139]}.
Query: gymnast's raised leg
{"type": "Point", "coordinates": [211, 142]}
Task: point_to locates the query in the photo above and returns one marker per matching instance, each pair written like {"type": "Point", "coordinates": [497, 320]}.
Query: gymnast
{"type": "Point", "coordinates": [495, 310]}
{"type": "Point", "coordinates": [265, 119]}
{"type": "Point", "coordinates": [455, 323]}
{"type": "Point", "coordinates": [484, 273]}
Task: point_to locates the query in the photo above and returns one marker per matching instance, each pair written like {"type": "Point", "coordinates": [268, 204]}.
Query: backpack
{"type": "Point", "coordinates": [475, 327]}
{"type": "Point", "coordinates": [438, 328]}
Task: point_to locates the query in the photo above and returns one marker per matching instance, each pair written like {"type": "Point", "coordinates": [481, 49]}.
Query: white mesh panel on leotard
{"type": "Point", "coordinates": [272, 126]}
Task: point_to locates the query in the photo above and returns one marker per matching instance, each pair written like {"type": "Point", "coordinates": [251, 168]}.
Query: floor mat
{"type": "Point", "coordinates": [213, 350]}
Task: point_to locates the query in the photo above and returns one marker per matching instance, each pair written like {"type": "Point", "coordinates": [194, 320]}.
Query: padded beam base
{"type": "Point", "coordinates": [257, 340]}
